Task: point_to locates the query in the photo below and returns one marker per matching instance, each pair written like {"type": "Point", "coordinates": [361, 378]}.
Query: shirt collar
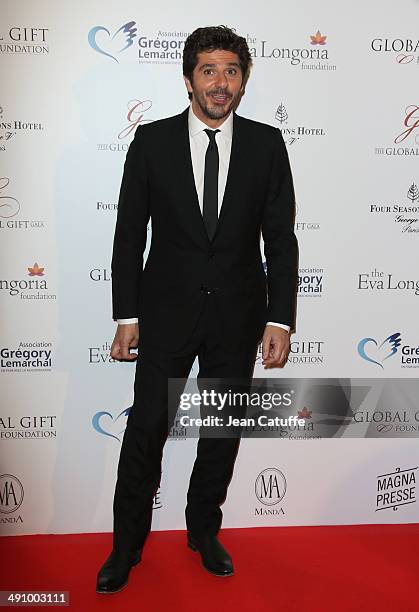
{"type": "Point", "coordinates": [196, 125]}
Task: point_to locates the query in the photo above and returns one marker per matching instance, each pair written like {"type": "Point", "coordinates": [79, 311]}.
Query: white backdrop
{"type": "Point", "coordinates": [341, 84]}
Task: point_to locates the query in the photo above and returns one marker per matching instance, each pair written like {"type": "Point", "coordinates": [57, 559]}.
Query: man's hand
{"type": "Point", "coordinates": [275, 347]}
{"type": "Point", "coordinates": [126, 337]}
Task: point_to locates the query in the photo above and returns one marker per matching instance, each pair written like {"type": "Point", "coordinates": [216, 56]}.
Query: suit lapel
{"type": "Point", "coordinates": [233, 174]}
{"type": "Point", "coordinates": [189, 196]}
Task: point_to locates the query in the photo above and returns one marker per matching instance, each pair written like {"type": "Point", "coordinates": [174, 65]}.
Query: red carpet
{"type": "Point", "coordinates": [337, 569]}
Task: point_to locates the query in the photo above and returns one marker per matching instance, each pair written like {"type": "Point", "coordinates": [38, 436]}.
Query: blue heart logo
{"type": "Point", "coordinates": [370, 350]}
{"type": "Point", "coordinates": [101, 40]}
{"type": "Point", "coordinates": [109, 423]}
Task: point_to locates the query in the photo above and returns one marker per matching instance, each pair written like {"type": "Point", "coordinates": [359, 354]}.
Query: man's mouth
{"type": "Point", "coordinates": [220, 98]}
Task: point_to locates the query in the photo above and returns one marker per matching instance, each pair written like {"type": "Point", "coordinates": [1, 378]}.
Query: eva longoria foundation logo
{"type": "Point", "coordinates": [34, 288]}
{"type": "Point", "coordinates": [313, 54]}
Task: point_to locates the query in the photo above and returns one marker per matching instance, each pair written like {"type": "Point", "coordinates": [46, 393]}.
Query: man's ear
{"type": "Point", "coordinates": [188, 84]}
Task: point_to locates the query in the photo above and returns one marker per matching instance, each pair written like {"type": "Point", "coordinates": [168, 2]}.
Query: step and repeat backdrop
{"type": "Point", "coordinates": [341, 83]}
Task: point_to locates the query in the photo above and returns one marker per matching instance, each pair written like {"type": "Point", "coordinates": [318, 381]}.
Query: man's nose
{"type": "Point", "coordinates": [221, 80]}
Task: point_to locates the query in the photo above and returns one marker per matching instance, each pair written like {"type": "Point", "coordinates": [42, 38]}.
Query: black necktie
{"type": "Point", "coordinates": [210, 201]}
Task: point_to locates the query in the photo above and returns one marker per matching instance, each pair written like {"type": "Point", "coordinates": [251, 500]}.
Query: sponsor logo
{"type": "Point", "coordinates": [98, 355]}
{"type": "Point", "coordinates": [128, 41]}
{"type": "Point", "coordinates": [12, 128]}
{"type": "Point", "coordinates": [403, 51]}
{"type": "Point", "coordinates": [9, 210]}
{"type": "Point", "coordinates": [376, 280]}
{"type": "Point", "coordinates": [34, 288]}
{"type": "Point", "coordinates": [406, 214]}
{"type": "Point", "coordinates": [135, 116]}
{"type": "Point", "coordinates": [377, 353]}
{"type": "Point", "coordinates": [112, 44]}
{"type": "Point", "coordinates": [407, 137]}
{"type": "Point", "coordinates": [313, 54]}
{"type": "Point", "coordinates": [108, 425]}
{"type": "Point", "coordinates": [293, 133]}
{"type": "Point", "coordinates": [11, 497]}
{"type": "Point", "coordinates": [302, 226]}
{"type": "Point", "coordinates": [27, 427]}
{"type": "Point", "coordinates": [270, 489]}
{"type": "Point", "coordinates": [396, 489]}
{"type": "Point", "coordinates": [24, 40]}
{"type": "Point", "coordinates": [28, 357]}
{"type": "Point", "coordinates": [310, 281]}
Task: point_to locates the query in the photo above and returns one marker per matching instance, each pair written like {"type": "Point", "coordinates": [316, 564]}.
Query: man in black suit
{"type": "Point", "coordinates": [211, 182]}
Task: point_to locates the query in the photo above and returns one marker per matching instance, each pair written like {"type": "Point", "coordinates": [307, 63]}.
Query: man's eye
{"type": "Point", "coordinates": [232, 71]}
{"type": "Point", "coordinates": [208, 71]}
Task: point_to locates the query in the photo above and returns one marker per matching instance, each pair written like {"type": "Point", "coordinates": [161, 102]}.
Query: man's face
{"type": "Point", "coordinates": [216, 84]}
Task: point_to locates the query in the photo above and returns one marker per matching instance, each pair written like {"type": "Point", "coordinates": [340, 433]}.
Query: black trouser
{"type": "Point", "coordinates": [139, 468]}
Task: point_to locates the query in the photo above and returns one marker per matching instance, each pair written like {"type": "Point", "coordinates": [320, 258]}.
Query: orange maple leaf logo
{"type": "Point", "coordinates": [36, 270]}
{"type": "Point", "coordinates": [318, 39]}
{"type": "Point", "coordinates": [304, 413]}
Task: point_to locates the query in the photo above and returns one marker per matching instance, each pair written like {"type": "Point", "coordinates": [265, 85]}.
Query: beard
{"type": "Point", "coordinates": [212, 110]}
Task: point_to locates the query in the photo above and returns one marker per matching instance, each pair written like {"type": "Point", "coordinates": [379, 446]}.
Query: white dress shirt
{"type": "Point", "coordinates": [198, 141]}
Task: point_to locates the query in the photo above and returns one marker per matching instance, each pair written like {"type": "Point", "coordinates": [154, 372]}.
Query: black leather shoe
{"type": "Point", "coordinates": [214, 556]}
{"type": "Point", "coordinates": [113, 575]}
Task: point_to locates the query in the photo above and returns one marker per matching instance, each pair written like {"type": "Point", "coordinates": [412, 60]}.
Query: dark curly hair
{"type": "Point", "coordinates": [210, 39]}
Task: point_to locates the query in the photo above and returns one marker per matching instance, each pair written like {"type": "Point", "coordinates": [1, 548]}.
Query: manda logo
{"type": "Point", "coordinates": [11, 498]}
{"type": "Point", "coordinates": [270, 489]}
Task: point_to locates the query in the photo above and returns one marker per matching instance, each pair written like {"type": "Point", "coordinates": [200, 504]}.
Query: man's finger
{"type": "Point", "coordinates": [116, 351]}
{"type": "Point", "coordinates": [125, 354]}
{"type": "Point", "coordinates": [266, 344]}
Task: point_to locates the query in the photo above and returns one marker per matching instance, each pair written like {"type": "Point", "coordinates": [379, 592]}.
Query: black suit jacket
{"type": "Point", "coordinates": [168, 294]}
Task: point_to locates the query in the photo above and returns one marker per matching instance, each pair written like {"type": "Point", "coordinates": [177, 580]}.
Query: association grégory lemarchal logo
{"type": "Point", "coordinates": [164, 47]}
{"type": "Point", "coordinates": [377, 352]}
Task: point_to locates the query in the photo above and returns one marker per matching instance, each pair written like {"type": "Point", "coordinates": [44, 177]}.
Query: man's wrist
{"type": "Point", "coordinates": [282, 325]}
{"type": "Point", "coordinates": [126, 321]}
